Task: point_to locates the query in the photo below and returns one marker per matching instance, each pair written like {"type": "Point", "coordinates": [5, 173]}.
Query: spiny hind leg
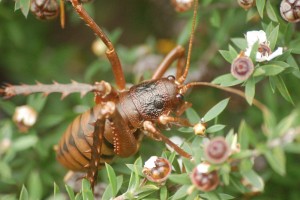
{"type": "Point", "coordinates": [98, 138]}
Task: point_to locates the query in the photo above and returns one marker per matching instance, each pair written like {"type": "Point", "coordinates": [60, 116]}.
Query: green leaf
{"type": "Point", "coordinates": [192, 116]}
{"type": "Point", "coordinates": [24, 142]}
{"type": "Point", "coordinates": [280, 85]}
{"type": "Point", "coordinates": [215, 128]}
{"type": "Point", "coordinates": [215, 19]}
{"type": "Point", "coordinates": [163, 193]}
{"type": "Point", "coordinates": [182, 179]}
{"type": "Point", "coordinates": [55, 188]}
{"type": "Point", "coordinates": [87, 193]}
{"type": "Point", "coordinates": [70, 192]}
{"type": "Point", "coordinates": [285, 124]}
{"type": "Point", "coordinates": [254, 52]}
{"type": "Point", "coordinates": [8, 107]}
{"type": "Point", "coordinates": [37, 101]}
{"type": "Point", "coordinates": [24, 194]}
{"type": "Point", "coordinates": [227, 56]}
{"type": "Point", "coordinates": [227, 80]}
{"type": "Point", "coordinates": [273, 37]}
{"type": "Point", "coordinates": [270, 12]}
{"type": "Point", "coordinates": [260, 5]}
{"type": "Point", "coordinates": [233, 52]}
{"type": "Point", "coordinates": [35, 186]}
{"type": "Point", "coordinates": [276, 159]}
{"type": "Point", "coordinates": [254, 179]}
{"type": "Point", "coordinates": [216, 110]}
{"type": "Point", "coordinates": [272, 69]}
{"type": "Point", "coordinates": [25, 5]}
{"type": "Point", "coordinates": [211, 196]}
{"type": "Point", "coordinates": [243, 136]}
{"type": "Point", "coordinates": [240, 43]}
{"type": "Point", "coordinates": [112, 178]}
{"type": "Point", "coordinates": [295, 46]}
{"type": "Point", "coordinates": [292, 148]}
{"type": "Point", "coordinates": [181, 192]}
{"type": "Point", "coordinates": [250, 90]}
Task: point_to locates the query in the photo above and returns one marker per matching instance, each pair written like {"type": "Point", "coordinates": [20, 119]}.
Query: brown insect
{"type": "Point", "coordinates": [114, 126]}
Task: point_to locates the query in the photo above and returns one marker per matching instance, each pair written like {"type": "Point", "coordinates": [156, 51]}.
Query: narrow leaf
{"type": "Point", "coordinates": [24, 194]}
{"type": "Point", "coordinates": [216, 110]}
{"type": "Point", "coordinates": [25, 5]}
{"type": "Point", "coordinates": [226, 55]}
{"type": "Point", "coordinates": [254, 179]}
{"type": "Point", "coordinates": [240, 43]}
{"type": "Point", "coordinates": [250, 90]}
{"type": "Point", "coordinates": [70, 192]}
{"type": "Point", "coordinates": [280, 85]}
{"type": "Point", "coordinates": [112, 178]}
{"type": "Point", "coordinates": [260, 5]}
{"type": "Point", "coordinates": [215, 128]}
{"type": "Point", "coordinates": [273, 37]}
{"type": "Point", "coordinates": [276, 159]}
{"type": "Point", "coordinates": [270, 12]}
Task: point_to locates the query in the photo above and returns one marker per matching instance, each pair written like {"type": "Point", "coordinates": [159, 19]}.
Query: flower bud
{"type": "Point", "coordinates": [24, 117]}
{"type": "Point", "coordinates": [290, 10]}
{"type": "Point", "coordinates": [200, 128]}
{"type": "Point", "coordinates": [242, 67]}
{"type": "Point", "coordinates": [157, 169]}
{"type": "Point", "coordinates": [217, 150]}
{"type": "Point", "coordinates": [182, 5]}
{"type": "Point", "coordinates": [203, 179]}
{"type": "Point", "coordinates": [246, 4]}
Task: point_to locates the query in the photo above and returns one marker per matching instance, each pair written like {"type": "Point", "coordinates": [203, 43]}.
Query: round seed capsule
{"type": "Point", "coordinates": [217, 150]}
{"type": "Point", "coordinates": [182, 5]}
{"type": "Point", "coordinates": [157, 169]}
{"type": "Point", "coordinates": [246, 4]}
{"type": "Point", "coordinates": [242, 67]}
{"type": "Point", "coordinates": [203, 179]}
{"type": "Point", "coordinates": [290, 10]}
{"type": "Point", "coordinates": [44, 9]}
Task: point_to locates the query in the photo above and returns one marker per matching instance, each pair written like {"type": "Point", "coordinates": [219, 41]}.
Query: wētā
{"type": "Point", "coordinates": [113, 126]}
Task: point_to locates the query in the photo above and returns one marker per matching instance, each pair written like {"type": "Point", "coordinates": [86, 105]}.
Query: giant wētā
{"type": "Point", "coordinates": [113, 126]}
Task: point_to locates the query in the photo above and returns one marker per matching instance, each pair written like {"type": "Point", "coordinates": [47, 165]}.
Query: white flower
{"type": "Point", "coordinates": [264, 52]}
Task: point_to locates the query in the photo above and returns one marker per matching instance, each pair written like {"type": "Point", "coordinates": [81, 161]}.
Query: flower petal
{"type": "Point", "coordinates": [254, 36]}
{"type": "Point", "coordinates": [276, 53]}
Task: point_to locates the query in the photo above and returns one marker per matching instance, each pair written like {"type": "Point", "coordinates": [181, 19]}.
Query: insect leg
{"type": "Point", "coordinates": [110, 53]}
{"type": "Point", "coordinates": [149, 127]}
{"type": "Point", "coordinates": [178, 53]}
{"type": "Point", "coordinates": [92, 172]}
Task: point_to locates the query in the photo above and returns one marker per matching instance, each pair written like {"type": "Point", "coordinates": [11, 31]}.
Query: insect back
{"type": "Point", "coordinates": [155, 98]}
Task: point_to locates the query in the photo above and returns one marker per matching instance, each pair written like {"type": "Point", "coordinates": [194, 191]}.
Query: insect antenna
{"type": "Point", "coordinates": [62, 13]}
{"type": "Point", "coordinates": [186, 70]}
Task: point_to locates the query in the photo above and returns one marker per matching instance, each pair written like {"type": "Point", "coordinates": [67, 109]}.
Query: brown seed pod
{"type": "Point", "coordinates": [217, 150]}
{"type": "Point", "coordinates": [182, 5]}
{"type": "Point", "coordinates": [290, 10]}
{"type": "Point", "coordinates": [203, 179]}
{"type": "Point", "coordinates": [246, 4]}
{"type": "Point", "coordinates": [157, 169]}
{"type": "Point", "coordinates": [44, 9]}
{"type": "Point", "coordinates": [242, 67]}
{"type": "Point", "coordinates": [24, 117]}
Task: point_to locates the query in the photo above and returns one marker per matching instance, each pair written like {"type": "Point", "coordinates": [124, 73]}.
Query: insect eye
{"type": "Point", "coordinates": [171, 78]}
{"type": "Point", "coordinates": [180, 97]}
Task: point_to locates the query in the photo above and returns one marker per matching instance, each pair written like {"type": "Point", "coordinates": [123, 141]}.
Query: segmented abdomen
{"type": "Point", "coordinates": [74, 147]}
